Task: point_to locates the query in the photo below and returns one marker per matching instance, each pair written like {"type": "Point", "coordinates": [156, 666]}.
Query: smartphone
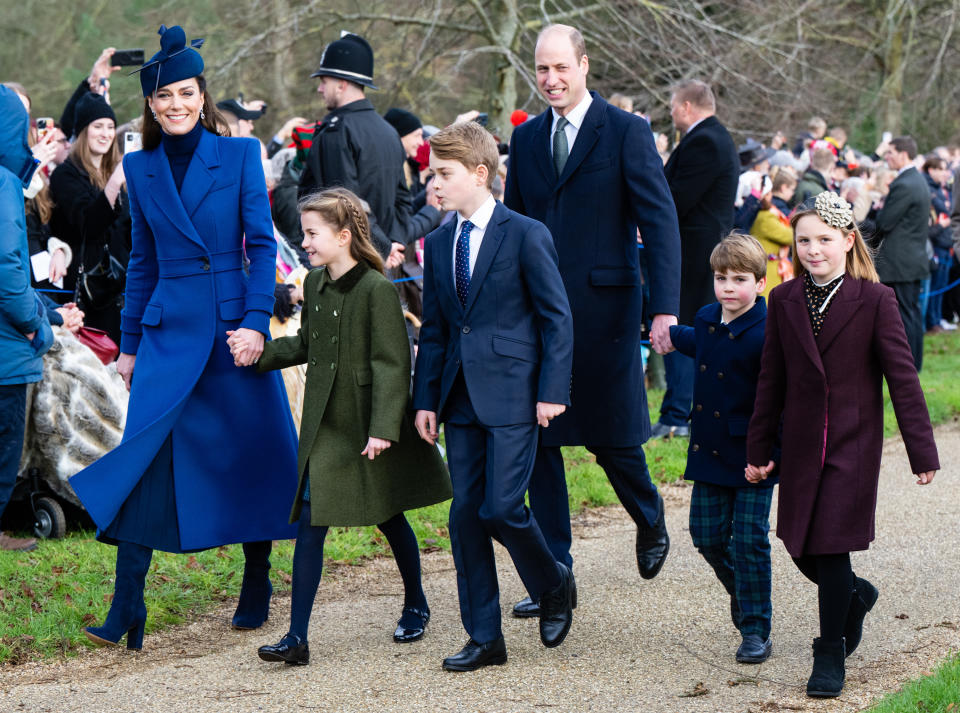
{"type": "Point", "coordinates": [886, 137]}
{"type": "Point", "coordinates": [482, 118]}
{"type": "Point", "coordinates": [127, 58]}
{"type": "Point", "coordinates": [44, 126]}
{"type": "Point", "coordinates": [132, 141]}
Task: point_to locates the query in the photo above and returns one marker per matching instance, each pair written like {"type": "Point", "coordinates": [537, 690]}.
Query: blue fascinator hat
{"type": "Point", "coordinates": [174, 62]}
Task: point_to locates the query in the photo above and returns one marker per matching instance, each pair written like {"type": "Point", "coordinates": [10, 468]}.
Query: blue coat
{"type": "Point", "coordinates": [21, 311]}
{"type": "Point", "coordinates": [612, 184]}
{"type": "Point", "coordinates": [724, 389]}
{"type": "Point", "coordinates": [234, 446]}
{"type": "Point", "coordinates": [514, 339]}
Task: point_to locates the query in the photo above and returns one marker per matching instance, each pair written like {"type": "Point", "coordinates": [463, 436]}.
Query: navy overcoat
{"type": "Point", "coordinates": [612, 184]}
{"type": "Point", "coordinates": [234, 447]}
{"type": "Point", "coordinates": [828, 390]}
{"type": "Point", "coordinates": [727, 358]}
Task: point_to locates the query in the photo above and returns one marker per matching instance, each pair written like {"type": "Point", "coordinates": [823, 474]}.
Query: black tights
{"type": "Point", "coordinates": [834, 578]}
{"type": "Point", "coordinates": [308, 566]}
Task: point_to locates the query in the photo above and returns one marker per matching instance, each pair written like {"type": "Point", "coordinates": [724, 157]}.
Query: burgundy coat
{"type": "Point", "coordinates": [828, 390]}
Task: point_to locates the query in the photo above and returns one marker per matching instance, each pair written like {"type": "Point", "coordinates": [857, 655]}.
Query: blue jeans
{"type": "Point", "coordinates": [13, 419]}
{"type": "Point", "coordinates": [938, 280]}
{"type": "Point", "coordinates": [678, 399]}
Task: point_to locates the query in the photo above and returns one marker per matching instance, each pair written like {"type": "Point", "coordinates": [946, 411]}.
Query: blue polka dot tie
{"type": "Point", "coordinates": [462, 262]}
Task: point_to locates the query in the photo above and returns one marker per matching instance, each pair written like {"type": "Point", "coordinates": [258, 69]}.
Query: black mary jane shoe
{"type": "Point", "coordinates": [475, 655]}
{"type": "Point", "coordinates": [412, 631]}
{"type": "Point", "coordinates": [290, 649]}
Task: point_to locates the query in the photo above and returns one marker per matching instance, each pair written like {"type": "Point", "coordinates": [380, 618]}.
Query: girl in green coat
{"type": "Point", "coordinates": [360, 461]}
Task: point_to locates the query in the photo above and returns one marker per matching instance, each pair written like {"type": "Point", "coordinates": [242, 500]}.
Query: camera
{"type": "Point", "coordinates": [44, 126]}
{"type": "Point", "coordinates": [127, 58]}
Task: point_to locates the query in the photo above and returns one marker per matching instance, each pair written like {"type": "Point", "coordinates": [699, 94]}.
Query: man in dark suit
{"type": "Point", "coordinates": [703, 172]}
{"type": "Point", "coordinates": [496, 348]}
{"type": "Point", "coordinates": [591, 172]}
{"type": "Point", "coordinates": [902, 236]}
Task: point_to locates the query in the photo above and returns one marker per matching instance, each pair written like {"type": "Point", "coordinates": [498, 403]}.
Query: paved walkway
{"type": "Point", "coordinates": [665, 645]}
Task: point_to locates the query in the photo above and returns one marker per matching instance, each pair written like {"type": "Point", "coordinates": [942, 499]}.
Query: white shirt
{"type": "Point", "coordinates": [905, 168]}
{"type": "Point", "coordinates": [480, 219]}
{"type": "Point", "coordinates": [574, 119]}
{"type": "Point", "coordinates": [695, 125]}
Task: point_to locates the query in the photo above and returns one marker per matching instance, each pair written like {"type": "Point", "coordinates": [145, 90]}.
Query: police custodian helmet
{"type": "Point", "coordinates": [350, 58]}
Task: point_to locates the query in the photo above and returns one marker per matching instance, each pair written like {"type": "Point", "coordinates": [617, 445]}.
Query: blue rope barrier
{"type": "Point", "coordinates": [406, 279]}
{"type": "Point", "coordinates": [941, 290]}
{"type": "Point", "coordinates": [58, 292]}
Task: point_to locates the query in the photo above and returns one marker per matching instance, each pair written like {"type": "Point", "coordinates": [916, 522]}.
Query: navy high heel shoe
{"type": "Point", "coordinates": [128, 612]}
{"type": "Point", "coordinates": [253, 609]}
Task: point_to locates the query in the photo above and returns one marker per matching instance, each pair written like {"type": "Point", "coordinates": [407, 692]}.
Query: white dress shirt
{"type": "Point", "coordinates": [480, 219]}
{"type": "Point", "coordinates": [574, 118]}
{"type": "Point", "coordinates": [695, 124]}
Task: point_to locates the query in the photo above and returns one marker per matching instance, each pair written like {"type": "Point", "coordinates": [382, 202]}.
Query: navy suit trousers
{"type": "Point", "coordinates": [626, 468]}
{"type": "Point", "coordinates": [678, 398]}
{"type": "Point", "coordinates": [490, 469]}
{"type": "Point", "coordinates": [13, 418]}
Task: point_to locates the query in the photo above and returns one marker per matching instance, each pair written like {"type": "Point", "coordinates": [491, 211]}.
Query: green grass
{"type": "Point", "coordinates": [48, 595]}
{"type": "Point", "coordinates": [936, 693]}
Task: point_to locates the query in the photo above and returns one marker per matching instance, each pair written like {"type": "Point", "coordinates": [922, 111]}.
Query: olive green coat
{"type": "Point", "coordinates": [353, 339]}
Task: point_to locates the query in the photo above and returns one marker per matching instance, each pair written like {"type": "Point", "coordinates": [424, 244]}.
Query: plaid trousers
{"type": "Point", "coordinates": [730, 528]}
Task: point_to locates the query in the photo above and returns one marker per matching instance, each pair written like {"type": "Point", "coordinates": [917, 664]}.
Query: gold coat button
{"type": "Point", "coordinates": [719, 374]}
{"type": "Point", "coordinates": [699, 407]}
{"type": "Point", "coordinates": [703, 367]}
{"type": "Point", "coordinates": [716, 414]}
{"type": "Point", "coordinates": [695, 447]}
{"type": "Point", "coordinates": [711, 329]}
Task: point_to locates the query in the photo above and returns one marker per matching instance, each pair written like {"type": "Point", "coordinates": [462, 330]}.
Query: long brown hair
{"type": "Point", "coordinates": [342, 210]}
{"type": "Point", "coordinates": [859, 257]}
{"type": "Point", "coordinates": [82, 157]}
{"type": "Point", "coordinates": [212, 120]}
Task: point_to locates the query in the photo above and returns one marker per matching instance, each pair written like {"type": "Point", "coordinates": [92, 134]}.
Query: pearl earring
{"type": "Point", "coordinates": [202, 115]}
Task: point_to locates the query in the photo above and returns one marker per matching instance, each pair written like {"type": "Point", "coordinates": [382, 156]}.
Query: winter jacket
{"type": "Point", "coordinates": [21, 310]}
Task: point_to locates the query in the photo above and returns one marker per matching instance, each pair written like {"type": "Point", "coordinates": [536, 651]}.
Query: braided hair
{"type": "Point", "coordinates": [343, 210]}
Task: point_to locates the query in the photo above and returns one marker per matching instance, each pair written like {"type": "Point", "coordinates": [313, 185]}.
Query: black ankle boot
{"type": "Point", "coordinates": [864, 597]}
{"type": "Point", "coordinates": [826, 681]}
{"type": "Point", "coordinates": [255, 591]}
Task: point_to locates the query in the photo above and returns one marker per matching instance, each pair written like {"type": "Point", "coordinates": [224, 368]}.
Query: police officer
{"type": "Point", "coordinates": [356, 148]}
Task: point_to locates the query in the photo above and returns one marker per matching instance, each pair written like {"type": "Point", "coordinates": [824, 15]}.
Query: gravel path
{"type": "Point", "coordinates": [665, 645]}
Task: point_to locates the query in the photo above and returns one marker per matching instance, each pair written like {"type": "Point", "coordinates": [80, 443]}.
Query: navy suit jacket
{"type": "Point", "coordinates": [724, 389]}
{"type": "Point", "coordinates": [612, 184]}
{"type": "Point", "coordinates": [513, 340]}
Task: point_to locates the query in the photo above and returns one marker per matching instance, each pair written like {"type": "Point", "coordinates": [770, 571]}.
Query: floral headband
{"type": "Point", "coordinates": [834, 210]}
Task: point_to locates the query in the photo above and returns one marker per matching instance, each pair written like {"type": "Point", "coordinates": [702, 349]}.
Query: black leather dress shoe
{"type": "Point", "coordinates": [413, 628]}
{"type": "Point", "coordinates": [290, 649]}
{"type": "Point", "coordinates": [474, 656]}
{"type": "Point", "coordinates": [754, 649]}
{"type": "Point", "coordinates": [556, 609]}
{"type": "Point", "coordinates": [526, 608]}
{"type": "Point", "coordinates": [653, 544]}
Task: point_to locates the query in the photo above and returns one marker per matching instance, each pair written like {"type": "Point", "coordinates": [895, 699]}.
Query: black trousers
{"type": "Point", "coordinates": [908, 300]}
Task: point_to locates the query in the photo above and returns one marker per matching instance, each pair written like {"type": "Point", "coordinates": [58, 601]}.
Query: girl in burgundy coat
{"type": "Point", "coordinates": [832, 335]}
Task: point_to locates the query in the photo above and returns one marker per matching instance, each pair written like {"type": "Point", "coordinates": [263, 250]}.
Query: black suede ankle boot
{"type": "Point", "coordinates": [826, 681]}
{"type": "Point", "coordinates": [864, 597]}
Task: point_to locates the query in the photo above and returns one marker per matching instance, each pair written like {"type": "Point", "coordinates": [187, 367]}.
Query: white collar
{"type": "Point", "coordinates": [905, 168]}
{"type": "Point", "coordinates": [481, 216]}
{"type": "Point", "coordinates": [695, 124]}
{"type": "Point", "coordinates": [575, 115]}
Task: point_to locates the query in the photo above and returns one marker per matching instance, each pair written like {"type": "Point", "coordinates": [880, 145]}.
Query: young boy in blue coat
{"type": "Point", "coordinates": [496, 351]}
{"type": "Point", "coordinates": [730, 517]}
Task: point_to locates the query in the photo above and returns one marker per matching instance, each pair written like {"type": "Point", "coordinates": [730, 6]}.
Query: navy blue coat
{"type": "Point", "coordinates": [612, 184]}
{"type": "Point", "coordinates": [233, 440]}
{"type": "Point", "coordinates": [724, 389]}
{"type": "Point", "coordinates": [514, 338]}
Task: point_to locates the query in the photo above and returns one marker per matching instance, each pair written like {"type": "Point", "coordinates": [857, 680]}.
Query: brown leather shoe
{"type": "Point", "coordinates": [16, 543]}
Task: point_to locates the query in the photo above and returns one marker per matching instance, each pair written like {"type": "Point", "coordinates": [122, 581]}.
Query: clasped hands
{"type": "Point", "coordinates": [246, 345]}
{"type": "Point", "coordinates": [756, 473]}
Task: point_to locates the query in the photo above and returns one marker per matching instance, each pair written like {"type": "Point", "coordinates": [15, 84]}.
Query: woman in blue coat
{"type": "Point", "coordinates": [209, 452]}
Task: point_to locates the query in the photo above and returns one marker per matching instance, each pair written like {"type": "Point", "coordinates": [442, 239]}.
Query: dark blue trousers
{"type": "Point", "coordinates": [13, 420]}
{"type": "Point", "coordinates": [678, 398]}
{"type": "Point", "coordinates": [626, 468]}
{"type": "Point", "coordinates": [490, 469]}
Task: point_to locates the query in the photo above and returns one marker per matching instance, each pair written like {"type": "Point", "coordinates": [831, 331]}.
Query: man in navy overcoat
{"type": "Point", "coordinates": [594, 182]}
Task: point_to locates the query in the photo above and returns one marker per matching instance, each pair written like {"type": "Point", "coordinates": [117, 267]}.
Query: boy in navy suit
{"type": "Point", "coordinates": [730, 517]}
{"type": "Point", "coordinates": [496, 350]}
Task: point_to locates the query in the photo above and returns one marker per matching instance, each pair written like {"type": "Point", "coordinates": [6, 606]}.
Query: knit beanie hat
{"type": "Point", "coordinates": [90, 108]}
{"type": "Point", "coordinates": [403, 121]}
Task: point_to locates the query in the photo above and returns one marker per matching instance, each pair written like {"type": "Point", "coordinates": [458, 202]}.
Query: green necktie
{"type": "Point", "coordinates": [560, 149]}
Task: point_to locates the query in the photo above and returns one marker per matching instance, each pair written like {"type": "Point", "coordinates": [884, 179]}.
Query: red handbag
{"type": "Point", "coordinates": [100, 343]}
